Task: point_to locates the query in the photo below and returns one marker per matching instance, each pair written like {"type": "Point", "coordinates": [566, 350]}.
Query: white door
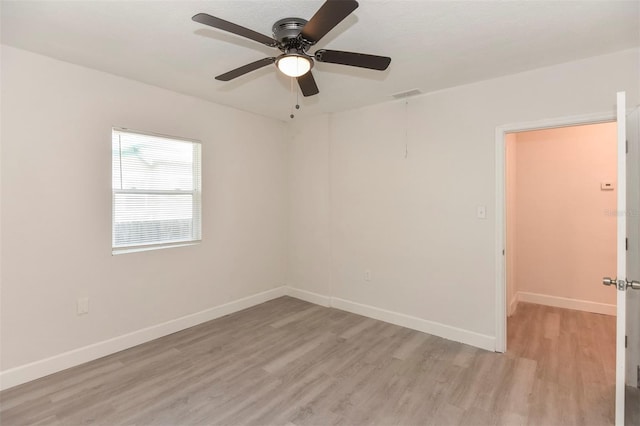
{"type": "Point", "coordinates": [628, 266]}
{"type": "Point", "coordinates": [632, 353]}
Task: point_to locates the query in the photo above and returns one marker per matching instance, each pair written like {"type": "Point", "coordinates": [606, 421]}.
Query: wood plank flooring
{"type": "Point", "coordinates": [288, 362]}
{"type": "Point", "coordinates": [574, 352]}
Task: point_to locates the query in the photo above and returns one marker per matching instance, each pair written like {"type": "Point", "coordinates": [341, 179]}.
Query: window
{"type": "Point", "coordinates": [156, 191]}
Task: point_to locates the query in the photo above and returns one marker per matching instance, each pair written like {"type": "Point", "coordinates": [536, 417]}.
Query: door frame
{"type": "Point", "coordinates": [500, 216]}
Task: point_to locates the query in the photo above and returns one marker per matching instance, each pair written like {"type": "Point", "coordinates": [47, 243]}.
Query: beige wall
{"type": "Point", "coordinates": [565, 240]}
{"type": "Point", "coordinates": [56, 210]}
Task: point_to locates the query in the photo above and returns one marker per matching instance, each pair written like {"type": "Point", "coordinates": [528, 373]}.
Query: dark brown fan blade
{"type": "Point", "coordinates": [245, 69]}
{"type": "Point", "coordinates": [308, 84]}
{"type": "Point", "coordinates": [221, 24]}
{"type": "Point", "coordinates": [361, 60]}
{"type": "Point", "coordinates": [330, 14]}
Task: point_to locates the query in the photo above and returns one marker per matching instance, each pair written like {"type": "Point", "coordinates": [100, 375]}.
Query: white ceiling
{"type": "Point", "coordinates": [433, 44]}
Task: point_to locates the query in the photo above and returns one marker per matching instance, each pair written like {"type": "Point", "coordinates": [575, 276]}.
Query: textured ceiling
{"type": "Point", "coordinates": [433, 44]}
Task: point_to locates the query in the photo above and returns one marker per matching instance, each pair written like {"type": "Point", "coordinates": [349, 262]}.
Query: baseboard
{"type": "Point", "coordinates": [35, 370]}
{"type": "Point", "coordinates": [309, 296]}
{"type": "Point", "coordinates": [437, 329]}
{"type": "Point", "coordinates": [513, 305]}
{"type": "Point", "coordinates": [41, 368]}
{"type": "Point", "coordinates": [563, 302]}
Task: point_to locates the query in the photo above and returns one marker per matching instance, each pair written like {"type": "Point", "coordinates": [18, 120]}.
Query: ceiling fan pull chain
{"type": "Point", "coordinates": [292, 116]}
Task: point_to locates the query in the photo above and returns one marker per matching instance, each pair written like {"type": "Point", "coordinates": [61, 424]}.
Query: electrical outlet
{"type": "Point", "coordinates": [481, 212]}
{"type": "Point", "coordinates": [367, 275]}
{"type": "Point", "coordinates": [82, 306]}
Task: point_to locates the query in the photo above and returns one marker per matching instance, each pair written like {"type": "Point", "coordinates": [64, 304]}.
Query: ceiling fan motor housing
{"type": "Point", "coordinates": [286, 31]}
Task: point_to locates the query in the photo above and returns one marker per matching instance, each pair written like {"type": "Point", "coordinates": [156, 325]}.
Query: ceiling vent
{"type": "Point", "coordinates": [408, 93]}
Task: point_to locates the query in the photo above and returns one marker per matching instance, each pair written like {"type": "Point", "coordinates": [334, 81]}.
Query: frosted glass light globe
{"type": "Point", "coordinates": [293, 65]}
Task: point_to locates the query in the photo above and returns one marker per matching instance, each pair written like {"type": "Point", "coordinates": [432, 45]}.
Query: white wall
{"type": "Point", "coordinates": [334, 195]}
{"type": "Point", "coordinates": [412, 221]}
{"type": "Point", "coordinates": [308, 230]}
{"type": "Point", "coordinates": [56, 210]}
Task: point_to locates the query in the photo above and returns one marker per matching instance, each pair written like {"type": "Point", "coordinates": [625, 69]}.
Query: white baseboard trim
{"type": "Point", "coordinates": [309, 296]}
{"type": "Point", "coordinates": [513, 305]}
{"type": "Point", "coordinates": [41, 368]}
{"type": "Point", "coordinates": [35, 370]}
{"type": "Point", "coordinates": [563, 302]}
{"type": "Point", "coordinates": [437, 329]}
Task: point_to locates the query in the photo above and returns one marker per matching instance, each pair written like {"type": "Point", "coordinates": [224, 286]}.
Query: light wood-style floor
{"type": "Point", "coordinates": [573, 381]}
{"type": "Point", "coordinates": [288, 362]}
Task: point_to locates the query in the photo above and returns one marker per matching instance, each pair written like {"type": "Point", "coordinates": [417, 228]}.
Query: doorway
{"type": "Point", "coordinates": [500, 207]}
{"type": "Point", "coordinates": [560, 191]}
{"type": "Point", "coordinates": [561, 239]}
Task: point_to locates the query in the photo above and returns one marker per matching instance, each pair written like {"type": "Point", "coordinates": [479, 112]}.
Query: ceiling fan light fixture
{"type": "Point", "coordinates": [293, 37]}
{"type": "Point", "coordinates": [294, 65]}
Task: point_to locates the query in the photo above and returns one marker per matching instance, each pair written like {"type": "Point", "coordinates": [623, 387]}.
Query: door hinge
{"type": "Point", "coordinates": [625, 340]}
{"type": "Point", "coordinates": [503, 252]}
{"type": "Point", "coordinates": [626, 146]}
{"type": "Point", "coordinates": [626, 244]}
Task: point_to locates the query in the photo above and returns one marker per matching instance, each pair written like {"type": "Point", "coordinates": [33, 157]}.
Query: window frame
{"type": "Point", "coordinates": [196, 195]}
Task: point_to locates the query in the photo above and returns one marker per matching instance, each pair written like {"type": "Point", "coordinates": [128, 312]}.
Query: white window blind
{"type": "Point", "coordinates": [156, 191]}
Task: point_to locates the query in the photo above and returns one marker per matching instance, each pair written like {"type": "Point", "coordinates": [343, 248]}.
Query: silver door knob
{"type": "Point", "coordinates": [609, 281]}
{"type": "Point", "coordinates": [635, 285]}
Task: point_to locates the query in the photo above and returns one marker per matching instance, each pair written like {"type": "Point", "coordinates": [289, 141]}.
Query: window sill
{"type": "Point", "coordinates": [125, 250]}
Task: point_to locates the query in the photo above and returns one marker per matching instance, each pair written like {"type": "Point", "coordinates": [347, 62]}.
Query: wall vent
{"type": "Point", "coordinates": [406, 94]}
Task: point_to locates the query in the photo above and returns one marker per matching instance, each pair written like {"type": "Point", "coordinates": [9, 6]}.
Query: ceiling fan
{"type": "Point", "coordinates": [294, 37]}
